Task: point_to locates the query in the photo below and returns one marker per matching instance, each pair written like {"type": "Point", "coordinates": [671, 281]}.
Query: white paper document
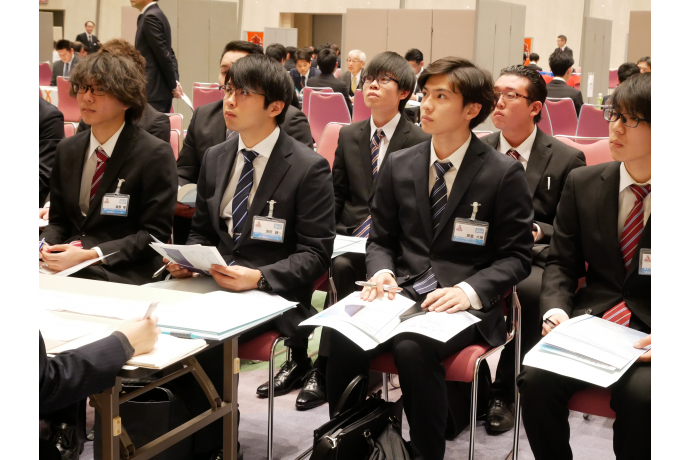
{"type": "Point", "coordinates": [343, 244]}
{"type": "Point", "coordinates": [56, 328]}
{"type": "Point", "coordinates": [370, 323]}
{"type": "Point", "coordinates": [187, 101]}
{"type": "Point", "coordinates": [72, 270]}
{"type": "Point", "coordinates": [194, 258]}
{"type": "Point", "coordinates": [106, 307]}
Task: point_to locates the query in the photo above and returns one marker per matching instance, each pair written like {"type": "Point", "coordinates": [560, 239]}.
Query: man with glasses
{"type": "Point", "coordinates": [603, 224]}
{"type": "Point", "coordinates": [356, 60]}
{"type": "Point", "coordinates": [258, 175]}
{"type": "Point", "coordinates": [327, 60]}
{"type": "Point", "coordinates": [521, 92]}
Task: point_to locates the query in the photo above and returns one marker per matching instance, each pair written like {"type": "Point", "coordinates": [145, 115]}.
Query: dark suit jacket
{"type": "Point", "coordinates": [84, 39]}
{"type": "Point", "coordinates": [401, 237]}
{"type": "Point", "coordinates": [534, 66]}
{"type": "Point", "coordinates": [566, 50]}
{"type": "Point", "coordinates": [154, 42]}
{"type": "Point", "coordinates": [586, 231]}
{"type": "Point", "coordinates": [549, 158]}
{"type": "Point", "coordinates": [289, 64]}
{"type": "Point", "coordinates": [346, 77]}
{"type": "Point", "coordinates": [59, 66]}
{"type": "Point", "coordinates": [558, 88]}
{"type": "Point", "coordinates": [297, 78]}
{"type": "Point", "coordinates": [148, 166]}
{"type": "Point", "coordinates": [329, 81]}
{"type": "Point", "coordinates": [352, 180]}
{"type": "Point", "coordinates": [207, 129]}
{"type": "Point", "coordinates": [299, 180]}
{"type": "Point", "coordinates": [152, 121]}
{"type": "Point", "coordinates": [51, 130]}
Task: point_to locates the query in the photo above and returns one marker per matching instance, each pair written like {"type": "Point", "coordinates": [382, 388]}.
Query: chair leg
{"type": "Point", "coordinates": [385, 386]}
{"type": "Point", "coordinates": [271, 370]}
{"type": "Point", "coordinates": [473, 407]}
{"type": "Point", "coordinates": [516, 433]}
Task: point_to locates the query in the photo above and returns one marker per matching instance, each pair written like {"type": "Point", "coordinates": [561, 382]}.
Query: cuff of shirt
{"type": "Point", "coordinates": [385, 270]}
{"type": "Point", "coordinates": [540, 233]}
{"type": "Point", "coordinates": [100, 254]}
{"type": "Point", "coordinates": [47, 205]}
{"type": "Point", "coordinates": [129, 350]}
{"type": "Point", "coordinates": [553, 311]}
{"type": "Point", "coordinates": [471, 294]}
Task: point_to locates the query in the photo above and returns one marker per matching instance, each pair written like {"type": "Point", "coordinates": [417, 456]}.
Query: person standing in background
{"type": "Point", "coordinates": [88, 39]}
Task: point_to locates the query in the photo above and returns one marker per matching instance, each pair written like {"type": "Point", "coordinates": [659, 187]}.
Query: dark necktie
{"type": "Point", "coordinates": [101, 159]}
{"type": "Point", "coordinates": [66, 72]}
{"type": "Point", "coordinates": [302, 81]}
{"type": "Point", "coordinates": [513, 154]}
{"type": "Point", "coordinates": [244, 186]}
{"type": "Point", "coordinates": [362, 230]}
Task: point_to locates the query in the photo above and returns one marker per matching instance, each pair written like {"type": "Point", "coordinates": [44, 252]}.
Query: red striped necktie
{"type": "Point", "coordinates": [513, 154]}
{"type": "Point", "coordinates": [101, 159]}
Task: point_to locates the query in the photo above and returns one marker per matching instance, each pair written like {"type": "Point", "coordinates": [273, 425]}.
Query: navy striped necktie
{"type": "Point", "coordinates": [241, 198]}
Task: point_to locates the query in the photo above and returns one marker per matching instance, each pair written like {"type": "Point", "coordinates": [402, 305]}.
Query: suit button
{"type": "Point", "coordinates": [588, 311]}
{"type": "Point", "coordinates": [237, 253]}
{"type": "Point", "coordinates": [407, 277]}
{"type": "Point", "coordinates": [83, 234]}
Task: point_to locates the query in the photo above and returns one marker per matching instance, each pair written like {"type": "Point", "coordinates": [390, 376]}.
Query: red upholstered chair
{"type": "Point", "coordinates": [545, 122]}
{"type": "Point", "coordinates": [336, 74]}
{"type": "Point", "coordinates": [547, 78]}
{"type": "Point", "coordinates": [203, 96]}
{"type": "Point", "coordinates": [70, 129]}
{"type": "Point", "coordinates": [329, 141]}
{"type": "Point", "coordinates": [360, 111]}
{"type": "Point", "coordinates": [596, 152]}
{"type": "Point", "coordinates": [326, 108]}
{"type": "Point", "coordinates": [176, 120]}
{"type": "Point", "coordinates": [562, 115]}
{"type": "Point", "coordinates": [44, 74]}
{"type": "Point", "coordinates": [593, 400]}
{"type": "Point", "coordinates": [67, 104]}
{"type": "Point", "coordinates": [206, 85]}
{"type": "Point", "coordinates": [613, 78]}
{"type": "Point", "coordinates": [306, 93]}
{"type": "Point", "coordinates": [591, 122]}
{"type": "Point", "coordinates": [175, 142]}
{"type": "Point", "coordinates": [482, 133]}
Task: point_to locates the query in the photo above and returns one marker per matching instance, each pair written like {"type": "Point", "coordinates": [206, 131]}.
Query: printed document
{"type": "Point", "coordinates": [194, 258]}
{"type": "Point", "coordinates": [72, 270]}
{"type": "Point", "coordinates": [343, 244]}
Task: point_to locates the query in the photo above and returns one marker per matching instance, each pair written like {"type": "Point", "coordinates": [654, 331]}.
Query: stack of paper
{"type": "Point", "coordinates": [587, 348]}
{"type": "Point", "coordinates": [56, 328]}
{"type": "Point", "coordinates": [343, 244]}
{"type": "Point", "coordinates": [106, 307]}
{"type": "Point", "coordinates": [195, 258]}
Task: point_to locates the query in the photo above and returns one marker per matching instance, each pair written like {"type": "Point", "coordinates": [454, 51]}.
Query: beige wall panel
{"type": "Point", "coordinates": [595, 56]}
{"type": "Point", "coordinates": [517, 34]}
{"type": "Point", "coordinates": [328, 28]}
{"type": "Point", "coordinates": [45, 37]}
{"type": "Point", "coordinates": [410, 29]}
{"type": "Point", "coordinates": [504, 12]}
{"type": "Point", "coordinates": [366, 30]}
{"type": "Point", "coordinates": [304, 23]}
{"type": "Point", "coordinates": [192, 51]}
{"type": "Point", "coordinates": [453, 34]}
{"type": "Point", "coordinates": [485, 33]}
{"type": "Point", "coordinates": [640, 35]}
{"type": "Point", "coordinates": [128, 17]}
{"type": "Point", "coordinates": [223, 26]}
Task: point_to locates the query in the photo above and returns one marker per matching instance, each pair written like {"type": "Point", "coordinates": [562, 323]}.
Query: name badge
{"type": "Point", "coordinates": [645, 262]}
{"type": "Point", "coordinates": [470, 231]}
{"type": "Point", "coordinates": [268, 229]}
{"type": "Point", "coordinates": [115, 204]}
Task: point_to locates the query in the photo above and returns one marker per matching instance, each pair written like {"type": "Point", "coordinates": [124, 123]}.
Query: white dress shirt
{"type": "Point", "coordinates": [148, 6]}
{"type": "Point", "coordinates": [626, 201]}
{"type": "Point", "coordinates": [559, 78]}
{"type": "Point", "coordinates": [388, 130]}
{"type": "Point", "coordinates": [263, 149]}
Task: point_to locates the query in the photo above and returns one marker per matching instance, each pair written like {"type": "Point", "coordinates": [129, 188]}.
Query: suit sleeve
{"type": "Point", "coordinates": [188, 164]}
{"type": "Point", "coordinates": [58, 230]}
{"type": "Point", "coordinates": [566, 263]}
{"type": "Point", "coordinates": [73, 375]}
{"type": "Point", "coordinates": [298, 128]}
{"type": "Point", "coordinates": [81, 127]}
{"type": "Point", "coordinates": [315, 229]}
{"type": "Point", "coordinates": [346, 93]}
{"type": "Point", "coordinates": [157, 206]}
{"type": "Point", "coordinates": [160, 128]}
{"type": "Point", "coordinates": [53, 80]}
{"type": "Point", "coordinates": [155, 36]}
{"type": "Point", "coordinates": [51, 132]}
{"type": "Point", "coordinates": [202, 231]}
{"type": "Point", "coordinates": [341, 182]}
{"type": "Point", "coordinates": [578, 103]}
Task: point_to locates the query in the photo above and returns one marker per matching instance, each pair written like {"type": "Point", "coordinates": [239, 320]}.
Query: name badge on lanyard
{"type": "Point", "coordinates": [645, 262]}
{"type": "Point", "coordinates": [115, 204]}
{"type": "Point", "coordinates": [471, 231]}
{"type": "Point", "coordinates": [268, 228]}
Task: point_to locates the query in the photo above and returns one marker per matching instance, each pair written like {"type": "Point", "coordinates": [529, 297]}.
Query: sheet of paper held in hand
{"type": "Point", "coordinates": [343, 244]}
{"type": "Point", "coordinates": [195, 258]}
{"type": "Point", "coordinates": [371, 323]}
{"type": "Point", "coordinates": [72, 270]}
{"type": "Point", "coordinates": [587, 348]}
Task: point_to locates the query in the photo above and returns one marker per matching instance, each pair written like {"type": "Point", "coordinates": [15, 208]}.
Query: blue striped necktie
{"type": "Point", "coordinates": [362, 230]}
{"type": "Point", "coordinates": [438, 199]}
{"type": "Point", "coordinates": [244, 186]}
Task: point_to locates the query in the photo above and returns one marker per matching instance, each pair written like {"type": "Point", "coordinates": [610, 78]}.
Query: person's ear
{"type": "Point", "coordinates": [536, 108]}
{"type": "Point", "coordinates": [275, 108]}
{"type": "Point", "coordinates": [403, 94]}
{"type": "Point", "coordinates": [472, 110]}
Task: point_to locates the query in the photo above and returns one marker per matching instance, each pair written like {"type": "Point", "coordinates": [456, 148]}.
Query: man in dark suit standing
{"type": "Point", "coordinates": [414, 243]}
{"type": "Point", "coordinates": [562, 67]}
{"type": "Point", "coordinates": [88, 39]}
{"type": "Point", "coordinates": [352, 77]}
{"type": "Point", "coordinates": [534, 62]}
{"type": "Point", "coordinates": [68, 60]}
{"type": "Point", "coordinates": [51, 130]}
{"type": "Point", "coordinates": [207, 128]}
{"type": "Point", "coordinates": [327, 62]}
{"type": "Point", "coordinates": [258, 175]}
{"type": "Point", "coordinates": [562, 48]}
{"type": "Point", "coordinates": [547, 161]}
{"type": "Point", "coordinates": [303, 70]}
{"type": "Point", "coordinates": [113, 186]}
{"type": "Point", "coordinates": [154, 42]}
{"type": "Point", "coordinates": [604, 222]}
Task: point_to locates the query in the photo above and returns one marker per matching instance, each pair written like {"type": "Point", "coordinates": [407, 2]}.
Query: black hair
{"type": "Point", "coordinates": [474, 84]}
{"type": "Point", "coordinates": [335, 48]}
{"type": "Point", "coordinates": [242, 46]}
{"type": "Point", "coordinates": [327, 60]}
{"type": "Point", "coordinates": [276, 51]}
{"type": "Point", "coordinates": [291, 52]}
{"type": "Point", "coordinates": [76, 46]}
{"type": "Point", "coordinates": [415, 55]}
{"type": "Point", "coordinates": [534, 57]}
{"type": "Point", "coordinates": [263, 75]}
{"type": "Point", "coordinates": [87, 23]}
{"type": "Point", "coordinates": [63, 45]}
{"type": "Point", "coordinates": [634, 96]}
{"type": "Point", "coordinates": [563, 37]}
{"type": "Point", "coordinates": [303, 55]}
{"type": "Point", "coordinates": [646, 59]}
{"type": "Point", "coordinates": [536, 89]}
{"type": "Point", "coordinates": [560, 63]}
{"type": "Point", "coordinates": [392, 64]}
{"type": "Point", "coordinates": [626, 70]}
{"type": "Point", "coordinates": [317, 50]}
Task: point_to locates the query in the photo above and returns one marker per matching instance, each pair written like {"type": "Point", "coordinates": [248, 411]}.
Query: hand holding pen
{"type": "Point", "coordinates": [377, 286]}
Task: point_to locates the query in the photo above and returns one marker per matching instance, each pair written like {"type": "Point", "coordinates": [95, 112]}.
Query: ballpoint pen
{"type": "Point", "coordinates": [550, 323]}
{"type": "Point", "coordinates": [385, 286]}
{"type": "Point", "coordinates": [181, 335]}
{"type": "Point", "coordinates": [160, 270]}
{"type": "Point", "coordinates": [40, 244]}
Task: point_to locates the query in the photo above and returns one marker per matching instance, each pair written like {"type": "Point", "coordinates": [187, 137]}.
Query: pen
{"type": "Point", "coordinates": [149, 312]}
{"type": "Point", "coordinates": [40, 244]}
{"type": "Point", "coordinates": [181, 335]}
{"type": "Point", "coordinates": [160, 270]}
{"type": "Point", "coordinates": [550, 323]}
{"type": "Point", "coordinates": [385, 286]}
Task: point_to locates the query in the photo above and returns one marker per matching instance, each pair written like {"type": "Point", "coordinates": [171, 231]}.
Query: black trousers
{"type": "Point", "coordinates": [419, 360]}
{"type": "Point", "coordinates": [545, 397]}
{"type": "Point", "coordinates": [162, 106]}
{"type": "Point", "coordinates": [528, 291]}
{"type": "Point", "coordinates": [181, 228]}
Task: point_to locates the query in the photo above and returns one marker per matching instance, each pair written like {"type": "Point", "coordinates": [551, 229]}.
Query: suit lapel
{"type": "Point", "coordinates": [538, 160]}
{"type": "Point", "coordinates": [645, 243]}
{"type": "Point", "coordinates": [226, 160]}
{"type": "Point", "coordinates": [420, 170]}
{"type": "Point", "coordinates": [363, 139]}
{"type": "Point", "coordinates": [218, 128]}
{"type": "Point", "coordinates": [607, 213]}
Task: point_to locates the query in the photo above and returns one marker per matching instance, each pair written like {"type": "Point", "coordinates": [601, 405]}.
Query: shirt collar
{"type": "Point", "coordinates": [388, 128]}
{"type": "Point", "coordinates": [263, 148]}
{"type": "Point", "coordinates": [108, 146]}
{"type": "Point", "coordinates": [627, 180]}
{"type": "Point", "coordinates": [359, 74]}
{"type": "Point", "coordinates": [455, 158]}
{"type": "Point", "coordinates": [523, 149]}
{"type": "Point", "coordinates": [148, 6]}
{"type": "Point", "coordinates": [420, 72]}
{"type": "Point", "coordinates": [558, 78]}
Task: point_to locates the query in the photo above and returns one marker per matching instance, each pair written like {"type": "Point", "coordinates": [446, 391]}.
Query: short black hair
{"type": "Point", "coordinates": [303, 55]}
{"type": "Point", "coordinates": [63, 45]}
{"type": "Point", "coordinates": [317, 50]}
{"type": "Point", "coordinates": [335, 48]}
{"type": "Point", "coordinates": [291, 52]}
{"type": "Point", "coordinates": [474, 84]}
{"type": "Point", "coordinates": [646, 59]}
{"type": "Point", "coordinates": [243, 46]}
{"type": "Point", "coordinates": [627, 69]}
{"type": "Point", "coordinates": [327, 60]}
{"type": "Point", "coordinates": [634, 96]}
{"type": "Point", "coordinates": [560, 63]}
{"type": "Point", "coordinates": [534, 57]}
{"type": "Point", "coordinates": [76, 46]}
{"type": "Point", "coordinates": [563, 37]}
{"type": "Point", "coordinates": [276, 51]}
{"type": "Point", "coordinates": [415, 55]}
{"type": "Point", "coordinates": [87, 23]}
{"type": "Point", "coordinates": [263, 75]}
{"type": "Point", "coordinates": [392, 64]}
{"type": "Point", "coordinates": [536, 89]}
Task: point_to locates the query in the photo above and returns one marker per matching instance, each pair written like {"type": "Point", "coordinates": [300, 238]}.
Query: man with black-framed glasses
{"type": "Point", "coordinates": [521, 93]}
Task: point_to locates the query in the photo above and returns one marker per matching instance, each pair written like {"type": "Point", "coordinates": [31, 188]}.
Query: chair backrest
{"type": "Point", "coordinates": [563, 115]}
{"type": "Point", "coordinates": [360, 111]}
{"type": "Point", "coordinates": [44, 74]}
{"type": "Point", "coordinates": [547, 78]}
{"type": "Point", "coordinates": [595, 153]}
{"type": "Point", "coordinates": [306, 92]}
{"type": "Point", "coordinates": [591, 122]}
{"type": "Point", "coordinates": [326, 108]}
{"type": "Point", "coordinates": [203, 96]}
{"type": "Point", "coordinates": [70, 129]}
{"type": "Point", "coordinates": [176, 121]}
{"type": "Point", "coordinates": [66, 104]}
{"type": "Point", "coordinates": [482, 133]}
{"type": "Point", "coordinates": [337, 72]}
{"type": "Point", "coordinates": [175, 142]}
{"type": "Point", "coordinates": [613, 78]}
{"type": "Point", "coordinates": [329, 141]}
{"type": "Point", "coordinates": [545, 122]}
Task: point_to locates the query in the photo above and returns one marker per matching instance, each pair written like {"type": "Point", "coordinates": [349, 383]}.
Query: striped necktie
{"type": "Point", "coordinates": [362, 230]}
{"type": "Point", "coordinates": [513, 154]}
{"type": "Point", "coordinates": [66, 72]}
{"type": "Point", "coordinates": [101, 159]}
{"type": "Point", "coordinates": [244, 186]}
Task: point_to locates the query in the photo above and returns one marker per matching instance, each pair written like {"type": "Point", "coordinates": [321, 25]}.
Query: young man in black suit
{"type": "Point", "coordinates": [68, 60]}
{"type": "Point", "coordinates": [51, 130]}
{"type": "Point", "coordinates": [238, 180]}
{"type": "Point", "coordinates": [113, 186]}
{"type": "Point", "coordinates": [604, 220]}
{"type": "Point", "coordinates": [534, 61]}
{"type": "Point", "coordinates": [327, 61]}
{"type": "Point", "coordinates": [421, 191]}
{"type": "Point", "coordinates": [562, 48]}
{"type": "Point", "coordinates": [521, 93]}
{"type": "Point", "coordinates": [207, 129]}
{"type": "Point", "coordinates": [562, 67]}
{"type": "Point", "coordinates": [88, 39]}
{"type": "Point", "coordinates": [154, 41]}
{"type": "Point", "coordinates": [303, 70]}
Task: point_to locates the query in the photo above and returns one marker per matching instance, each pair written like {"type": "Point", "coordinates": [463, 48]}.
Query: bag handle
{"type": "Point", "coordinates": [346, 394]}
